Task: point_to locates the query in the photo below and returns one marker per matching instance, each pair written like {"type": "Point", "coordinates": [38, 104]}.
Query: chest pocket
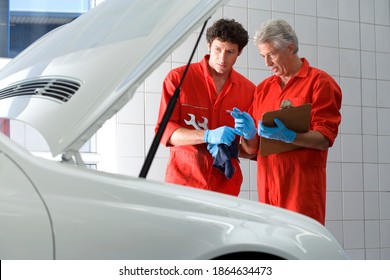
{"type": "Point", "coordinates": [296, 101]}
{"type": "Point", "coordinates": [194, 117]}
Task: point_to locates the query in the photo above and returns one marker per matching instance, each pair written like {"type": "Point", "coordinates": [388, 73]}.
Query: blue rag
{"type": "Point", "coordinates": [223, 162]}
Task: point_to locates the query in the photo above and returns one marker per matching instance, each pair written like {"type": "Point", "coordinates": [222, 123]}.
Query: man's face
{"type": "Point", "coordinates": [278, 60]}
{"type": "Point", "coordinates": [223, 55]}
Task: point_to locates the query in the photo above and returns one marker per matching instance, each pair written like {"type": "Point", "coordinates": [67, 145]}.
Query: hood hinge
{"type": "Point", "coordinates": [73, 158]}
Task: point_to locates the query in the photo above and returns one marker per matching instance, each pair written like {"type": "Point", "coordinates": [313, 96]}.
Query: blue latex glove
{"type": "Point", "coordinates": [279, 132]}
{"type": "Point", "coordinates": [213, 149]}
{"type": "Point", "coordinates": [244, 123]}
{"type": "Point", "coordinates": [220, 135]}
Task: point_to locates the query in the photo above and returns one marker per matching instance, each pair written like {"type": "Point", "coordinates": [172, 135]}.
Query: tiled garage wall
{"type": "Point", "coordinates": [350, 39]}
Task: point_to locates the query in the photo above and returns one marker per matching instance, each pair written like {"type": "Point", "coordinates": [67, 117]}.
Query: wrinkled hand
{"type": "Point", "coordinates": [213, 149]}
{"type": "Point", "coordinates": [244, 123]}
{"type": "Point", "coordinates": [220, 135]}
{"type": "Point", "coordinates": [279, 132]}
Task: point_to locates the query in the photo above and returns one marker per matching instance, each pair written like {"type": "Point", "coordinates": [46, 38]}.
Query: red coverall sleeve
{"type": "Point", "coordinates": [326, 106]}
{"type": "Point", "coordinates": [169, 86]}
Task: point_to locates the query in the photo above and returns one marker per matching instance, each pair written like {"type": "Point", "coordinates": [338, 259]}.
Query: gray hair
{"type": "Point", "coordinates": [278, 32]}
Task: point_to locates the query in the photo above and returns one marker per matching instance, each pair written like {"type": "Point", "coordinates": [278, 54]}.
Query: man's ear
{"type": "Point", "coordinates": [209, 47]}
{"type": "Point", "coordinates": [291, 47]}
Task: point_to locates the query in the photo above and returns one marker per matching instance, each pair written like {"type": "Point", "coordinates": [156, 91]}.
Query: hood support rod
{"type": "Point", "coordinates": [167, 115]}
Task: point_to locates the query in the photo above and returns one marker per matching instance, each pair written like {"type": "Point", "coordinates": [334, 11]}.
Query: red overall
{"type": "Point", "coordinates": [296, 180]}
{"type": "Point", "coordinates": [191, 165]}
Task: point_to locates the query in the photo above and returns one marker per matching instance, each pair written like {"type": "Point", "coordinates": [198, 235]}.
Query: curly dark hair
{"type": "Point", "coordinates": [228, 30]}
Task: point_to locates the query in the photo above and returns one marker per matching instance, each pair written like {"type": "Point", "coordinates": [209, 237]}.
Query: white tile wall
{"type": "Point", "coordinates": [351, 119]}
{"type": "Point", "coordinates": [369, 92]}
{"type": "Point", "coordinates": [238, 13]}
{"type": "Point", "coordinates": [368, 65]}
{"type": "Point", "coordinates": [328, 32]}
{"type": "Point", "coordinates": [352, 178]}
{"type": "Point", "coordinates": [238, 3]}
{"type": "Point", "coordinates": [382, 16]}
{"type": "Point", "coordinates": [384, 178]}
{"type": "Point", "coordinates": [334, 154]}
{"type": "Point", "coordinates": [373, 254]}
{"type": "Point", "coordinates": [130, 165]}
{"type": "Point", "coordinates": [367, 37]}
{"type": "Point", "coordinates": [371, 206]}
{"type": "Point", "coordinates": [327, 8]}
{"type": "Point", "coordinates": [351, 147]}
{"type": "Point", "coordinates": [181, 54]}
{"type": "Point", "coordinates": [349, 35]}
{"type": "Point", "coordinates": [350, 63]}
{"type": "Point", "coordinates": [383, 96]}
{"type": "Point", "coordinates": [353, 206]}
{"type": "Point", "coordinates": [351, 91]}
{"type": "Point", "coordinates": [385, 233]}
{"type": "Point", "coordinates": [254, 16]}
{"type": "Point", "coordinates": [382, 63]}
{"type": "Point", "coordinates": [370, 148]}
{"type": "Point", "coordinates": [371, 177]}
{"type": "Point", "coordinates": [133, 112]}
{"type": "Point", "coordinates": [336, 227]}
{"type": "Point", "coordinates": [245, 167]}
{"type": "Point", "coordinates": [367, 11]}
{"type": "Point", "coordinates": [306, 29]}
{"type": "Point", "coordinates": [333, 176]}
{"type": "Point", "coordinates": [329, 60]}
{"type": "Point", "coordinates": [385, 254]}
{"type": "Point", "coordinates": [382, 36]}
{"type": "Point", "coordinates": [256, 76]}
{"type": "Point", "coordinates": [334, 206]}
{"type": "Point", "coordinates": [131, 140]}
{"type": "Point", "coordinates": [253, 180]}
{"type": "Point", "coordinates": [383, 121]}
{"type": "Point", "coordinates": [285, 6]}
{"type": "Point", "coordinates": [162, 151]}
{"type": "Point", "coordinates": [349, 39]}
{"type": "Point", "coordinates": [372, 238]}
{"type": "Point", "coordinates": [349, 10]}
{"type": "Point", "coordinates": [152, 102]}
{"type": "Point", "coordinates": [256, 4]}
{"type": "Point", "coordinates": [383, 149]}
{"type": "Point", "coordinates": [286, 16]}
{"type": "Point", "coordinates": [154, 82]}
{"type": "Point", "coordinates": [353, 234]}
{"type": "Point", "coordinates": [310, 52]}
{"type": "Point", "coordinates": [305, 7]}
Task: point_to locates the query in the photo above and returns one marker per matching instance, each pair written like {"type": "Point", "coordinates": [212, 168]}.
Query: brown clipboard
{"type": "Point", "coordinates": [295, 118]}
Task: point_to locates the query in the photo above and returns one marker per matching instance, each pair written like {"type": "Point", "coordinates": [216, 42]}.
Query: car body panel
{"type": "Point", "coordinates": [25, 223]}
{"type": "Point", "coordinates": [98, 215]}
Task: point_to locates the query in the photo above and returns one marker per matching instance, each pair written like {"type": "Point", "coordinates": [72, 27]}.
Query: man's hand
{"type": "Point", "coordinates": [220, 135]}
{"type": "Point", "coordinates": [213, 149]}
{"type": "Point", "coordinates": [279, 132]}
{"type": "Point", "coordinates": [244, 123]}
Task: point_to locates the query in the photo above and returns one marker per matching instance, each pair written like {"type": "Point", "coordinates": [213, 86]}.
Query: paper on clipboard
{"type": "Point", "coordinates": [295, 118]}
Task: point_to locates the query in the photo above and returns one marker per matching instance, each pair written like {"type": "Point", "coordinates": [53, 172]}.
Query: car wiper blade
{"type": "Point", "coordinates": [167, 115]}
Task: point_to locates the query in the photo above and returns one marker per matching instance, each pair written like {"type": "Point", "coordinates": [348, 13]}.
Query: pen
{"type": "Point", "coordinates": [231, 111]}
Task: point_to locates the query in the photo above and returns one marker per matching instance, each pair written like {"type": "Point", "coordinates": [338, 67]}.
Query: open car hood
{"type": "Point", "coordinates": [70, 81]}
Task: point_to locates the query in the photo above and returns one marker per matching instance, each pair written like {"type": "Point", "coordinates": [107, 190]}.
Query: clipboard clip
{"type": "Point", "coordinates": [286, 104]}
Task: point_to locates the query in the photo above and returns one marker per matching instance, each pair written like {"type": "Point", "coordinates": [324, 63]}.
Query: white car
{"type": "Point", "coordinates": [66, 85]}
